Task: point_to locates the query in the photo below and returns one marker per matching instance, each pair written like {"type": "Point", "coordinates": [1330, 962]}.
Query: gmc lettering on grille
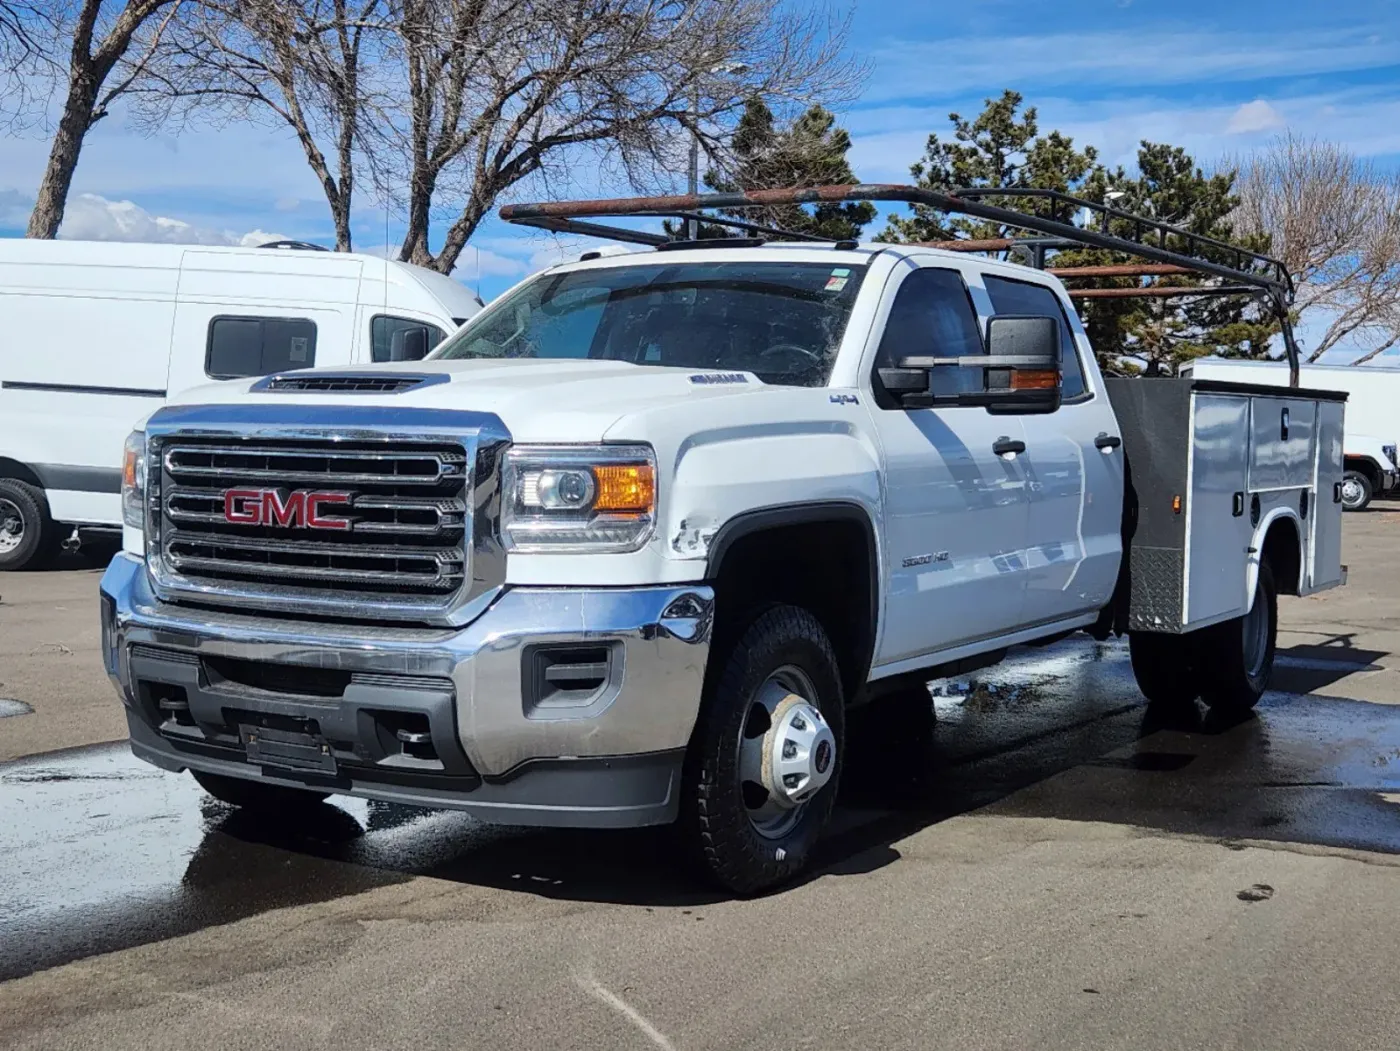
{"type": "Point", "coordinates": [301, 509]}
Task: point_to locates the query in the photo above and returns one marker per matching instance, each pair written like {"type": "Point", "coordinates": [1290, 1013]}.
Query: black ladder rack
{"type": "Point", "coordinates": [1244, 272]}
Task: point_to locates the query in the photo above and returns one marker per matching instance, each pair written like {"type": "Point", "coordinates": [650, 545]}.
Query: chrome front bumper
{"type": "Point", "coordinates": [319, 705]}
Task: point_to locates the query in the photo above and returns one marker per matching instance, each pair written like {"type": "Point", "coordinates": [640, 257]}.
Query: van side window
{"type": "Point", "coordinates": [386, 335]}
{"type": "Point", "coordinates": [932, 316]}
{"type": "Point", "coordinates": [1022, 297]}
{"type": "Point", "coordinates": [256, 346]}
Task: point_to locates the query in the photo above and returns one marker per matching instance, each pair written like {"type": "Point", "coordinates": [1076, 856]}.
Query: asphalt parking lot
{"type": "Point", "coordinates": [1065, 871]}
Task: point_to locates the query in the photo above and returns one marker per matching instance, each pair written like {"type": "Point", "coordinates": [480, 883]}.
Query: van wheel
{"type": "Point", "coordinates": [1240, 652]}
{"type": "Point", "coordinates": [28, 535]}
{"type": "Point", "coordinates": [761, 773]}
{"type": "Point", "coordinates": [1356, 491]}
{"type": "Point", "coordinates": [1167, 667]}
{"type": "Point", "coordinates": [256, 796]}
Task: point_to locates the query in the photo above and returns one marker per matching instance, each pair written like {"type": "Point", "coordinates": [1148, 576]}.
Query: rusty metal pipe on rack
{"type": "Point", "coordinates": [1160, 292]}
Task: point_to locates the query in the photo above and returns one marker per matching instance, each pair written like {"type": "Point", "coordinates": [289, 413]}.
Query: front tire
{"type": "Point", "coordinates": [1356, 491]}
{"type": "Point", "coordinates": [28, 535]}
{"type": "Point", "coordinates": [1239, 654]}
{"type": "Point", "coordinates": [256, 797]}
{"type": "Point", "coordinates": [765, 757]}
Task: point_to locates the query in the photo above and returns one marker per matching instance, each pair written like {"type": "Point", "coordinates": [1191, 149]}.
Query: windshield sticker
{"type": "Point", "coordinates": [840, 271]}
{"type": "Point", "coordinates": [719, 377]}
{"type": "Point", "coordinates": [835, 284]}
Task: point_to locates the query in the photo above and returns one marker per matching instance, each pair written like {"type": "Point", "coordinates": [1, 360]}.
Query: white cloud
{"type": "Point", "coordinates": [1139, 57]}
{"type": "Point", "coordinates": [483, 261]}
{"type": "Point", "coordinates": [533, 251]}
{"type": "Point", "coordinates": [1254, 116]}
{"type": "Point", "coordinates": [89, 217]}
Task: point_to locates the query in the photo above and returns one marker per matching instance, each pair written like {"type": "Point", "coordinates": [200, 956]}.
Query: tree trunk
{"type": "Point", "coordinates": [461, 232]}
{"type": "Point", "coordinates": [77, 118]}
{"type": "Point", "coordinates": [340, 213]}
{"type": "Point", "coordinates": [415, 240]}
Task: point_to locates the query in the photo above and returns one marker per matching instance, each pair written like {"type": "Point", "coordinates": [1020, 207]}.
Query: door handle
{"type": "Point", "coordinates": [1107, 441]}
{"type": "Point", "coordinates": [1004, 445]}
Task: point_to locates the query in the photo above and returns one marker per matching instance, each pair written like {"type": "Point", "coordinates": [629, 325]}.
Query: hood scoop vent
{"type": "Point", "coordinates": [311, 382]}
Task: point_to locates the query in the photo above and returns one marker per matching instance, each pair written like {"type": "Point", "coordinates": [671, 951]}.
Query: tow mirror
{"type": "Point", "coordinates": [1021, 370]}
{"type": "Point", "coordinates": [1024, 368]}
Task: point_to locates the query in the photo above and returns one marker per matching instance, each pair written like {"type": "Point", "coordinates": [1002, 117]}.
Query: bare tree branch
{"type": "Point", "coordinates": [310, 65]}
{"type": "Point", "coordinates": [1335, 223]}
{"type": "Point", "coordinates": [500, 91]}
{"type": "Point", "coordinates": [99, 40]}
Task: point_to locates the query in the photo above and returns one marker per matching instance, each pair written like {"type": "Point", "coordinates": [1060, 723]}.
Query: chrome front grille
{"type": "Point", "coordinates": [360, 525]}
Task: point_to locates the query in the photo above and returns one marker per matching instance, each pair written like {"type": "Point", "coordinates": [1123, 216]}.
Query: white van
{"type": "Point", "coordinates": [1371, 423]}
{"type": "Point", "coordinates": [96, 334]}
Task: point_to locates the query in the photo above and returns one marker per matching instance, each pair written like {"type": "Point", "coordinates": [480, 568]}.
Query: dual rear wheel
{"type": "Point", "coordinates": [1228, 665]}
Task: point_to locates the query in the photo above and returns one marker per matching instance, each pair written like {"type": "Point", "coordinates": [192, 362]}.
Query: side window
{"type": "Point", "coordinates": [386, 334]}
{"type": "Point", "coordinates": [256, 346]}
{"type": "Point", "coordinates": [932, 316]}
{"type": "Point", "coordinates": [1022, 297]}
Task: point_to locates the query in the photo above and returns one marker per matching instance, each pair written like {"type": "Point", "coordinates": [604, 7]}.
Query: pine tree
{"type": "Point", "coordinates": [1161, 334]}
{"type": "Point", "coordinates": [1001, 148]}
{"type": "Point", "coordinates": [809, 152]}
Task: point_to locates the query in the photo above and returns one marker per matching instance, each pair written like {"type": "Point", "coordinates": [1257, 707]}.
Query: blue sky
{"type": "Point", "coordinates": [1217, 77]}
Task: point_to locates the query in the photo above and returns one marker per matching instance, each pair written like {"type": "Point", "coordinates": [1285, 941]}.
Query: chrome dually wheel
{"type": "Point", "coordinates": [766, 753]}
{"type": "Point", "coordinates": [787, 751]}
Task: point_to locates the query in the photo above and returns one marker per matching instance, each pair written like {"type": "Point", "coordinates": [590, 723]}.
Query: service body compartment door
{"type": "Point", "coordinates": [1281, 444]}
{"type": "Point", "coordinates": [1217, 508]}
{"type": "Point", "coordinates": [1325, 563]}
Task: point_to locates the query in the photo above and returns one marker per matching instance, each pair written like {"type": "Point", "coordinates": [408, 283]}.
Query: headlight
{"type": "Point", "coordinates": [1389, 450]}
{"type": "Point", "coordinates": [599, 498]}
{"type": "Point", "coordinates": [134, 480]}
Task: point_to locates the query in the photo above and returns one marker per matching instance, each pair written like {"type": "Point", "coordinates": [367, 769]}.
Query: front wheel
{"type": "Point", "coordinates": [1239, 654]}
{"type": "Point", "coordinates": [761, 773]}
{"type": "Point", "coordinates": [1356, 491]}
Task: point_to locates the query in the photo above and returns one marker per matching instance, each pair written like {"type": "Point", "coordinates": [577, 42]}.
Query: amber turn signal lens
{"type": "Point", "coordinates": [1027, 379]}
{"type": "Point", "coordinates": [625, 488]}
{"type": "Point", "coordinates": [129, 469]}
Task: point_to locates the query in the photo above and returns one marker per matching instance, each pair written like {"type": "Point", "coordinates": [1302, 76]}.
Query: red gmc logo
{"type": "Point", "coordinates": [277, 507]}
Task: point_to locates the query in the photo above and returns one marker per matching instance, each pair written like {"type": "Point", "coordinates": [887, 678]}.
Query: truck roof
{"type": "Point", "coordinates": [848, 253]}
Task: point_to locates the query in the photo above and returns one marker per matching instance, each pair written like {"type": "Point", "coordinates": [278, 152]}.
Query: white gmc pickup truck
{"type": "Point", "coordinates": [626, 547]}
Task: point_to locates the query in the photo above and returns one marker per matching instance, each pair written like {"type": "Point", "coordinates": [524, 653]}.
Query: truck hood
{"type": "Point", "coordinates": [538, 400]}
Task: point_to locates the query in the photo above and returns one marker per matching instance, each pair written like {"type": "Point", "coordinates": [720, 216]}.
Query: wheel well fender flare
{"type": "Point", "coordinates": [20, 472]}
{"type": "Point", "coordinates": [1365, 464]}
{"type": "Point", "coordinates": [762, 519]}
{"type": "Point", "coordinates": [1260, 538]}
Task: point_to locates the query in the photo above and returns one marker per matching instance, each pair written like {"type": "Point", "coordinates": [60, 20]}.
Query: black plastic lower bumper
{"type": "Point", "coordinates": [618, 792]}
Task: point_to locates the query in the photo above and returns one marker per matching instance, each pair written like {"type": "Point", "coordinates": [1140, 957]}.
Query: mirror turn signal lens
{"type": "Point", "coordinates": [1032, 379]}
{"type": "Point", "coordinates": [625, 488]}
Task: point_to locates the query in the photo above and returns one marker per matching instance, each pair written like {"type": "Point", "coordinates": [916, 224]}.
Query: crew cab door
{"type": "Point", "coordinates": [1074, 471]}
{"type": "Point", "coordinates": [956, 512]}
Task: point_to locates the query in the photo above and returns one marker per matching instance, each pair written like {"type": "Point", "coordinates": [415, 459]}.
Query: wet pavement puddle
{"type": "Point", "coordinates": [99, 851]}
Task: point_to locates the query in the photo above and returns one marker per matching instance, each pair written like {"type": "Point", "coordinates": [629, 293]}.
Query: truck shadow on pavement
{"type": "Point", "coordinates": [132, 855]}
{"type": "Point", "coordinates": [1081, 747]}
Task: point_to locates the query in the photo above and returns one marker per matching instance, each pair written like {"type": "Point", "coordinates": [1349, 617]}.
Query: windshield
{"type": "Point", "coordinates": [780, 321]}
